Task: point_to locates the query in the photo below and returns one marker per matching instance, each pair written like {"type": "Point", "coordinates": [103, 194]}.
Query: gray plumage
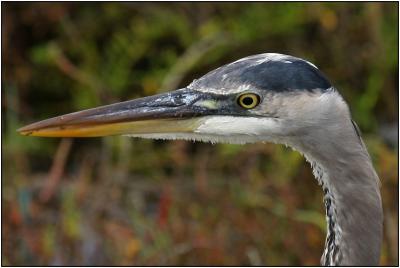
{"type": "Point", "coordinates": [294, 91]}
{"type": "Point", "coordinates": [328, 138]}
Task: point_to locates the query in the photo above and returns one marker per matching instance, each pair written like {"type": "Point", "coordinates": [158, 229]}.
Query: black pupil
{"type": "Point", "coordinates": [247, 101]}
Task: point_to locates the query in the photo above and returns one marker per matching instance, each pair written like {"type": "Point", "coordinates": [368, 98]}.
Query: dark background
{"type": "Point", "coordinates": [121, 201]}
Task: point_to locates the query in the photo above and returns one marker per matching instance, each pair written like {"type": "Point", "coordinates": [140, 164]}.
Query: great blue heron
{"type": "Point", "coordinates": [266, 97]}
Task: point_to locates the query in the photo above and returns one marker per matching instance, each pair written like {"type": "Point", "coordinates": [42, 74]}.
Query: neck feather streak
{"type": "Point", "coordinates": [353, 208]}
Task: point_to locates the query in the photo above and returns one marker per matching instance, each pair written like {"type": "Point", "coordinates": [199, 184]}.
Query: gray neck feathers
{"type": "Point", "coordinates": [352, 198]}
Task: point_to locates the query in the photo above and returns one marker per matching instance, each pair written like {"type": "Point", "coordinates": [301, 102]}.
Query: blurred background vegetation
{"type": "Point", "coordinates": [119, 201]}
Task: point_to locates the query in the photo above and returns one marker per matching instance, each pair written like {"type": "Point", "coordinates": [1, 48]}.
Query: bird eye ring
{"type": "Point", "coordinates": [248, 100]}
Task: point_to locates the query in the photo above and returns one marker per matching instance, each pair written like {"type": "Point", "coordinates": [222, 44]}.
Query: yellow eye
{"type": "Point", "coordinates": [248, 100]}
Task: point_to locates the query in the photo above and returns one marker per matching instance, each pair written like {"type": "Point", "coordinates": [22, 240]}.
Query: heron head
{"type": "Point", "coordinates": [264, 97]}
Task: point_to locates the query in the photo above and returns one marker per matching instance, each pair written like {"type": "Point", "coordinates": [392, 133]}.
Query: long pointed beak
{"type": "Point", "coordinates": [172, 112]}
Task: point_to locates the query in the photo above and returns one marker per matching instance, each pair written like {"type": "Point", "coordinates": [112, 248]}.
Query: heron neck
{"type": "Point", "coordinates": [351, 195]}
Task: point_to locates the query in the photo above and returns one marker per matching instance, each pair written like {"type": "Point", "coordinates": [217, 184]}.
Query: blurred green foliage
{"type": "Point", "coordinates": [116, 201]}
